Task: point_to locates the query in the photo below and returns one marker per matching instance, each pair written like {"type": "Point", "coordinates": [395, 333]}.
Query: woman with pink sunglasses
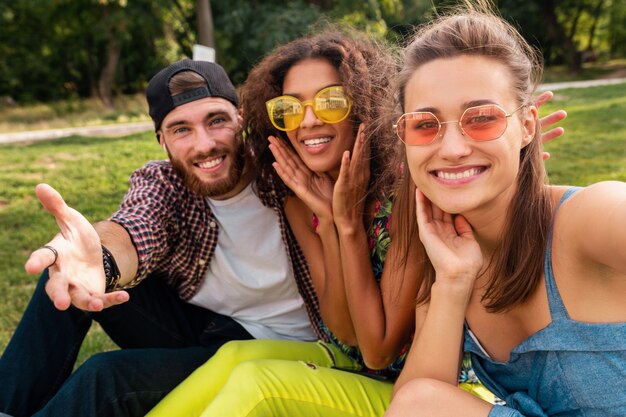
{"type": "Point", "coordinates": [529, 278]}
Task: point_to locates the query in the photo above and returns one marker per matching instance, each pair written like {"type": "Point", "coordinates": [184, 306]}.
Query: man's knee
{"type": "Point", "coordinates": [107, 384]}
{"type": "Point", "coordinates": [103, 367]}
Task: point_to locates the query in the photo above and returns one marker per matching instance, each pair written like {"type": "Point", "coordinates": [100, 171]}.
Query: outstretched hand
{"type": "Point", "coordinates": [351, 186]}
{"type": "Point", "coordinates": [549, 120]}
{"type": "Point", "coordinates": [76, 271]}
{"type": "Point", "coordinates": [315, 190]}
{"type": "Point", "coordinates": [449, 241]}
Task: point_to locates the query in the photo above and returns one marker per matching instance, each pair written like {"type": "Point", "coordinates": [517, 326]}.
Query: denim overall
{"type": "Point", "coordinates": [567, 369]}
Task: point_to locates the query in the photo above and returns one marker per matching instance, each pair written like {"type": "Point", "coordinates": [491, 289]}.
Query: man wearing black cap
{"type": "Point", "coordinates": [213, 254]}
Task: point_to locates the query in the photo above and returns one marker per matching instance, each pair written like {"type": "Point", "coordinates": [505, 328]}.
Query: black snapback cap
{"type": "Point", "coordinates": [161, 101]}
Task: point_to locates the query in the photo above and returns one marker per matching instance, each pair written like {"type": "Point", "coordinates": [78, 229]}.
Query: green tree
{"type": "Point", "coordinates": [246, 30]}
{"type": "Point", "coordinates": [25, 51]}
{"type": "Point", "coordinates": [616, 28]}
{"type": "Point", "coordinates": [106, 31]}
{"type": "Point", "coordinates": [64, 48]}
{"type": "Point", "coordinates": [205, 23]}
{"type": "Point", "coordinates": [562, 29]}
{"type": "Point", "coordinates": [58, 49]}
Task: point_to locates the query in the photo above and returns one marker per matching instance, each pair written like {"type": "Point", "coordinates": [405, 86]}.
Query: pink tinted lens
{"type": "Point", "coordinates": [484, 122]}
{"type": "Point", "coordinates": [419, 128]}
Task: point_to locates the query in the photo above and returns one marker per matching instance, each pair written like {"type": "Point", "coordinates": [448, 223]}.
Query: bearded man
{"type": "Point", "coordinates": [195, 256]}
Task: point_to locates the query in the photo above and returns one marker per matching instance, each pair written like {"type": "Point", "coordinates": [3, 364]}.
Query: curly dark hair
{"type": "Point", "coordinates": [365, 68]}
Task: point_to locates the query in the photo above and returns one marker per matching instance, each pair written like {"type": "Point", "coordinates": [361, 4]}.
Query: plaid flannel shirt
{"type": "Point", "coordinates": [175, 232]}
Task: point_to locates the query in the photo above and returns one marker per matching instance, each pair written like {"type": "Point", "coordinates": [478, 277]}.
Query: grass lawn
{"type": "Point", "coordinates": [594, 146]}
{"type": "Point", "coordinates": [615, 68]}
{"type": "Point", "coordinates": [77, 112]}
{"type": "Point", "coordinates": [92, 173]}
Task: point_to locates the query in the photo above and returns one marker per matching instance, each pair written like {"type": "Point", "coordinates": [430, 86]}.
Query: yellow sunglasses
{"type": "Point", "coordinates": [330, 105]}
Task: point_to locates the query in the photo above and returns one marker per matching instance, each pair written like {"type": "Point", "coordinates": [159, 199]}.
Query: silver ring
{"type": "Point", "coordinates": [56, 254]}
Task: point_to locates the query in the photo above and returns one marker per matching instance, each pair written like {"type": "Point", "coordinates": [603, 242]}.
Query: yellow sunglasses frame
{"type": "Point", "coordinates": [271, 103]}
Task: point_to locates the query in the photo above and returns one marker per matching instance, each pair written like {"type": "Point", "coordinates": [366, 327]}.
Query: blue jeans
{"type": "Point", "coordinates": [162, 340]}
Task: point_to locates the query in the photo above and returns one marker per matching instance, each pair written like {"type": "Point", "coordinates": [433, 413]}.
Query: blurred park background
{"type": "Point", "coordinates": [63, 57]}
{"type": "Point", "coordinates": [83, 62]}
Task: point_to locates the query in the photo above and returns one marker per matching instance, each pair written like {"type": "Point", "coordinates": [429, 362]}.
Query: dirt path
{"type": "Point", "coordinates": [120, 129]}
{"type": "Point", "coordinates": [580, 84]}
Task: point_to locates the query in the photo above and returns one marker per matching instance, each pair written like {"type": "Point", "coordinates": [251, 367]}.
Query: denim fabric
{"type": "Point", "coordinates": [502, 411]}
{"type": "Point", "coordinates": [568, 369]}
{"type": "Point", "coordinates": [163, 339]}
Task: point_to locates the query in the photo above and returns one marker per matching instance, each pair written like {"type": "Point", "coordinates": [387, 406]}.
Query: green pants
{"type": "Point", "coordinates": [277, 378]}
{"type": "Point", "coordinates": [282, 378]}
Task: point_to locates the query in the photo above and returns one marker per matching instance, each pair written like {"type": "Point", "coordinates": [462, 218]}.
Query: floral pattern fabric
{"type": "Point", "coordinates": [379, 241]}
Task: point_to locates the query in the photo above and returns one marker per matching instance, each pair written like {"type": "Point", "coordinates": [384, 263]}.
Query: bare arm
{"type": "Point", "coordinates": [456, 256]}
{"type": "Point", "coordinates": [117, 240]}
{"type": "Point", "coordinates": [382, 313]}
{"type": "Point", "coordinates": [321, 247]}
{"type": "Point", "coordinates": [603, 239]}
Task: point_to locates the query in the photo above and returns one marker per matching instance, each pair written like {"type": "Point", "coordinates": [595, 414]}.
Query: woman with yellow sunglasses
{"type": "Point", "coordinates": [317, 100]}
{"type": "Point", "coordinates": [312, 98]}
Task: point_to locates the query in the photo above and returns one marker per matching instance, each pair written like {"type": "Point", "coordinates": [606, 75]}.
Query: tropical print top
{"type": "Point", "coordinates": [378, 236]}
{"type": "Point", "coordinates": [379, 240]}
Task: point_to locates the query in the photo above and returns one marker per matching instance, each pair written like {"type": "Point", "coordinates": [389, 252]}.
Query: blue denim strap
{"type": "Point", "coordinates": [557, 308]}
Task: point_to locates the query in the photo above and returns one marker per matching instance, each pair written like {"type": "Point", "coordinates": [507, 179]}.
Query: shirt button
{"type": "Point", "coordinates": [213, 225]}
{"type": "Point", "coordinates": [201, 262]}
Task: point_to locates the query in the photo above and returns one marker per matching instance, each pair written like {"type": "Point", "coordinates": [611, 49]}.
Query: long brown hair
{"type": "Point", "coordinates": [516, 265]}
{"type": "Point", "coordinates": [365, 70]}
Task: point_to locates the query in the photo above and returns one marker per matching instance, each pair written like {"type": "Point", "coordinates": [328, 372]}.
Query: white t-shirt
{"type": "Point", "coordinates": [250, 277]}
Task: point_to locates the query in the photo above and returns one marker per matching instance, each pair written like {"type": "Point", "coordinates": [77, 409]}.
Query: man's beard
{"type": "Point", "coordinates": [214, 188]}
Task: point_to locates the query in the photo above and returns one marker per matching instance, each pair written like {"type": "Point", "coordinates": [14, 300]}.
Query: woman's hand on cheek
{"type": "Point", "coordinates": [449, 242]}
{"type": "Point", "coordinates": [316, 191]}
{"type": "Point", "coordinates": [351, 186]}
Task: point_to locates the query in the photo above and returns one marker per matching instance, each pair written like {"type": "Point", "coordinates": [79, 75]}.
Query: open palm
{"type": "Point", "coordinates": [76, 275]}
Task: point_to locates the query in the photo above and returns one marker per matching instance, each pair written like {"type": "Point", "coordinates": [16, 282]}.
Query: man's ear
{"type": "Point", "coordinates": [530, 124]}
{"type": "Point", "coordinates": [161, 141]}
{"type": "Point", "coordinates": [240, 117]}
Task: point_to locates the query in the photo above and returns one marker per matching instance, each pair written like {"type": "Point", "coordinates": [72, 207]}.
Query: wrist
{"type": "Point", "coordinates": [111, 270]}
{"type": "Point", "coordinates": [454, 290]}
{"type": "Point", "coordinates": [324, 225]}
{"type": "Point", "coordinates": [349, 228]}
